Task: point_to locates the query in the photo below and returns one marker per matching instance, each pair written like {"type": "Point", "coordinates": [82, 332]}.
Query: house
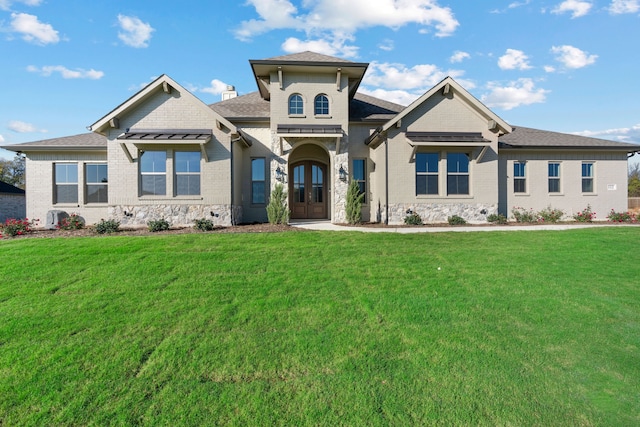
{"type": "Point", "coordinates": [163, 153]}
{"type": "Point", "coordinates": [12, 202]}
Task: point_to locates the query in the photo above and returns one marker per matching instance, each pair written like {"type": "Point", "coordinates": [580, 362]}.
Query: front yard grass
{"type": "Point", "coordinates": [321, 328]}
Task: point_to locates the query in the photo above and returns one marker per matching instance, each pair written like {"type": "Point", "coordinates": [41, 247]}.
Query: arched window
{"type": "Point", "coordinates": [295, 104]}
{"type": "Point", "coordinates": [321, 105]}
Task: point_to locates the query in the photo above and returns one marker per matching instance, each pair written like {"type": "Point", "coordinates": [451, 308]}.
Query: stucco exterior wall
{"type": "Point", "coordinates": [40, 196]}
{"type": "Point", "coordinates": [610, 182]}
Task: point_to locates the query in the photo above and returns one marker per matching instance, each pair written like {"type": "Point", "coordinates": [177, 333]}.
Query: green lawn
{"type": "Point", "coordinates": [320, 328]}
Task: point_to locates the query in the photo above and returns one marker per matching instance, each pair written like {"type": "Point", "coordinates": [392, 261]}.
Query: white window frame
{"type": "Point", "coordinates": [88, 184]}
{"type": "Point", "coordinates": [65, 183]}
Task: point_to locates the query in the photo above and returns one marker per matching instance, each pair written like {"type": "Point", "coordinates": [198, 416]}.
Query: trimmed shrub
{"type": "Point", "coordinates": [621, 216]}
{"type": "Point", "coordinates": [158, 225]}
{"type": "Point", "coordinates": [204, 224]}
{"type": "Point", "coordinates": [497, 219]}
{"type": "Point", "coordinates": [412, 218]}
{"type": "Point", "coordinates": [277, 209]}
{"type": "Point", "coordinates": [550, 214]}
{"type": "Point", "coordinates": [72, 222]}
{"type": "Point", "coordinates": [16, 227]}
{"type": "Point", "coordinates": [107, 226]}
{"type": "Point", "coordinates": [524, 215]}
{"type": "Point", "coordinates": [456, 220]}
{"type": "Point", "coordinates": [354, 203]}
{"type": "Point", "coordinates": [585, 215]}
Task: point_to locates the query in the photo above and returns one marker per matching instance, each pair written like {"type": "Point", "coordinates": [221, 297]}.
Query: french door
{"type": "Point", "coordinates": [308, 190]}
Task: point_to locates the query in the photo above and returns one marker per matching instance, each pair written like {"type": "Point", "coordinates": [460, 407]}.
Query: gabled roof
{"type": "Point", "coordinates": [523, 137]}
{"type": "Point", "coordinates": [81, 142]}
{"type": "Point", "coordinates": [448, 84]}
{"type": "Point", "coordinates": [164, 82]}
{"type": "Point", "coordinates": [10, 189]}
{"type": "Point", "coordinates": [306, 62]}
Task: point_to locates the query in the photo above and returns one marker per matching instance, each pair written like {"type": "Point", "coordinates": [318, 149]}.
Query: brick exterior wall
{"type": "Point", "coordinates": [12, 206]}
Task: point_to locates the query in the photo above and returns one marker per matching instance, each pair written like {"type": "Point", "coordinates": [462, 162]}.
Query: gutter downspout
{"type": "Point", "coordinates": [386, 181]}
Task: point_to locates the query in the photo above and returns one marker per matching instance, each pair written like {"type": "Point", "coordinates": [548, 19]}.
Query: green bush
{"type": "Point", "coordinates": [497, 219]}
{"type": "Point", "coordinates": [204, 224]}
{"type": "Point", "coordinates": [550, 214]}
{"type": "Point", "coordinates": [456, 220]}
{"type": "Point", "coordinates": [107, 226]}
{"type": "Point", "coordinates": [524, 215]}
{"type": "Point", "coordinates": [72, 222]}
{"type": "Point", "coordinates": [277, 209]}
{"type": "Point", "coordinates": [621, 216]}
{"type": "Point", "coordinates": [158, 225]}
{"type": "Point", "coordinates": [585, 215]}
{"type": "Point", "coordinates": [354, 203]}
{"type": "Point", "coordinates": [412, 218]}
{"type": "Point", "coordinates": [16, 227]}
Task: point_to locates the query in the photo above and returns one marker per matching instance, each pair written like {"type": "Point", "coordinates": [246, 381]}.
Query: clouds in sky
{"type": "Point", "coordinates": [134, 32]}
{"type": "Point", "coordinates": [627, 134]}
{"type": "Point", "coordinates": [32, 30]}
{"type": "Point", "coordinates": [332, 23]}
{"type": "Point", "coordinates": [577, 8]}
{"type": "Point", "coordinates": [6, 4]}
{"type": "Point", "coordinates": [514, 59]}
{"type": "Point", "coordinates": [66, 73]}
{"type": "Point", "coordinates": [618, 7]}
{"type": "Point", "coordinates": [23, 127]}
{"type": "Point", "coordinates": [516, 93]}
{"type": "Point", "coordinates": [572, 57]}
{"type": "Point", "coordinates": [459, 56]}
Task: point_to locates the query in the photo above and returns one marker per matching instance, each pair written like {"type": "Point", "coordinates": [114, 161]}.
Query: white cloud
{"type": "Point", "coordinates": [1, 139]}
{"type": "Point", "coordinates": [628, 134]}
{"type": "Point", "coordinates": [387, 45]}
{"type": "Point", "coordinates": [216, 87]}
{"type": "Point", "coordinates": [342, 19]}
{"type": "Point", "coordinates": [518, 4]}
{"type": "Point", "coordinates": [398, 76]}
{"type": "Point", "coordinates": [335, 47]}
{"type": "Point", "coordinates": [401, 97]}
{"type": "Point", "coordinates": [135, 33]}
{"type": "Point", "coordinates": [22, 127]}
{"type": "Point", "coordinates": [549, 69]}
{"type": "Point", "coordinates": [459, 56]}
{"type": "Point", "coordinates": [517, 93]}
{"type": "Point", "coordinates": [514, 59]}
{"type": "Point", "coordinates": [618, 7]}
{"type": "Point", "coordinates": [576, 7]}
{"type": "Point", "coordinates": [66, 73]}
{"type": "Point", "coordinates": [572, 57]}
{"type": "Point", "coordinates": [32, 29]}
{"type": "Point", "coordinates": [6, 4]}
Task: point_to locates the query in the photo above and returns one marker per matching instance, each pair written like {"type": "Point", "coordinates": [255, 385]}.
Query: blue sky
{"type": "Point", "coordinates": [569, 66]}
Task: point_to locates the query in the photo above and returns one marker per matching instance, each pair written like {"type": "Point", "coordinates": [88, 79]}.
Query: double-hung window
{"type": "Point", "coordinates": [66, 179]}
{"type": "Point", "coordinates": [427, 173]}
{"type": "Point", "coordinates": [519, 177]}
{"type": "Point", "coordinates": [96, 183]}
{"type": "Point", "coordinates": [359, 175]}
{"type": "Point", "coordinates": [554, 177]}
{"type": "Point", "coordinates": [587, 177]}
{"type": "Point", "coordinates": [296, 104]}
{"type": "Point", "coordinates": [153, 173]}
{"type": "Point", "coordinates": [187, 171]}
{"type": "Point", "coordinates": [321, 105]}
{"type": "Point", "coordinates": [457, 173]}
{"type": "Point", "coordinates": [258, 181]}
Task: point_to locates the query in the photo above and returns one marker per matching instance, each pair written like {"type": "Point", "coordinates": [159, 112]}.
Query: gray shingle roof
{"type": "Point", "coordinates": [252, 106]}
{"type": "Point", "coordinates": [523, 137]}
{"type": "Point", "coordinates": [10, 189]}
{"type": "Point", "coordinates": [307, 56]}
{"type": "Point", "coordinates": [85, 141]}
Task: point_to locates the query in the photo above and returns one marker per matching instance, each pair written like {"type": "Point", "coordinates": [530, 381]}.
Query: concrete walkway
{"type": "Point", "coordinates": [328, 226]}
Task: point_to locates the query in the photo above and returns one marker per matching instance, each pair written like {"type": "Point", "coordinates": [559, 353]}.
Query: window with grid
{"type": "Point", "coordinates": [187, 171]}
{"type": "Point", "coordinates": [554, 177]}
{"type": "Point", "coordinates": [96, 183]}
{"type": "Point", "coordinates": [587, 177]}
{"type": "Point", "coordinates": [457, 173]}
{"type": "Point", "coordinates": [359, 175]}
{"type": "Point", "coordinates": [66, 183]}
{"type": "Point", "coordinates": [296, 105]}
{"type": "Point", "coordinates": [153, 173]}
{"type": "Point", "coordinates": [427, 173]}
{"type": "Point", "coordinates": [258, 181]}
{"type": "Point", "coordinates": [519, 177]}
{"type": "Point", "coordinates": [321, 105]}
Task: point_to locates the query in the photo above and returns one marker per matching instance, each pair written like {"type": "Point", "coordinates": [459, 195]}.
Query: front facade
{"type": "Point", "coordinates": [165, 154]}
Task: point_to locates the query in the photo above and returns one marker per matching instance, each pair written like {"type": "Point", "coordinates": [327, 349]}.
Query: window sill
{"type": "Point", "coordinates": [521, 194]}
{"type": "Point", "coordinates": [323, 116]}
{"type": "Point", "coordinates": [297, 116]}
{"type": "Point", "coordinates": [168, 198]}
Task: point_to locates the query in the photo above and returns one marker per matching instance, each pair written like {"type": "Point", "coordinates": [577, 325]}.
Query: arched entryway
{"type": "Point", "coordinates": [308, 183]}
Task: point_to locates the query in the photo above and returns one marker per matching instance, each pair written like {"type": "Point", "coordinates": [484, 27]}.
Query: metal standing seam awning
{"type": "Point", "coordinates": [310, 131]}
{"type": "Point", "coordinates": [166, 136]}
{"type": "Point", "coordinates": [454, 139]}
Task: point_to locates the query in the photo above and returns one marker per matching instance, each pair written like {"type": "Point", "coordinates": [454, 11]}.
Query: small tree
{"type": "Point", "coordinates": [277, 210]}
{"type": "Point", "coordinates": [354, 203]}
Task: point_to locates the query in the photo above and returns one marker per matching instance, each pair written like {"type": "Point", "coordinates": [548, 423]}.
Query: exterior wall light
{"type": "Point", "coordinates": [279, 174]}
{"type": "Point", "coordinates": [342, 174]}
